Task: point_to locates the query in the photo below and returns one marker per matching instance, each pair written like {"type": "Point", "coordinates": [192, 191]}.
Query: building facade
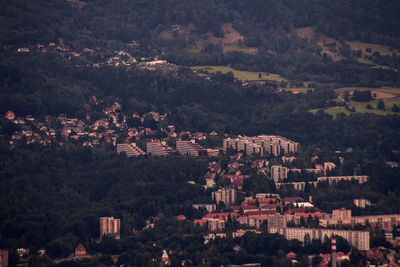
{"type": "Point", "coordinates": [358, 239]}
{"type": "Point", "coordinates": [262, 144]}
{"type": "Point", "coordinates": [158, 148]}
{"type": "Point", "coordinates": [190, 148]}
{"type": "Point", "coordinates": [278, 173]}
{"type": "Point", "coordinates": [110, 227]}
{"type": "Point", "coordinates": [226, 195]}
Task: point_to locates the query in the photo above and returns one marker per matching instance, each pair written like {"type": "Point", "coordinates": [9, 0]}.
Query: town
{"type": "Point", "coordinates": [294, 217]}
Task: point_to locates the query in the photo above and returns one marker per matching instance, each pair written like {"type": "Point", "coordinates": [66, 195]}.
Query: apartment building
{"type": "Point", "coordinates": [280, 221]}
{"type": "Point", "coordinates": [335, 179]}
{"type": "Point", "coordinates": [341, 214]}
{"type": "Point", "coordinates": [190, 148]}
{"type": "Point", "coordinates": [386, 222]}
{"type": "Point", "coordinates": [131, 150]}
{"type": "Point", "coordinates": [226, 195]}
{"type": "Point", "coordinates": [358, 239]}
{"type": "Point", "coordinates": [158, 148]}
{"type": "Point", "coordinates": [250, 222]}
{"type": "Point", "coordinates": [208, 207]}
{"type": "Point", "coordinates": [278, 173]}
{"type": "Point", "coordinates": [216, 224]}
{"type": "Point", "coordinates": [361, 202]}
{"type": "Point", "coordinates": [110, 227]}
{"type": "Point", "coordinates": [261, 145]}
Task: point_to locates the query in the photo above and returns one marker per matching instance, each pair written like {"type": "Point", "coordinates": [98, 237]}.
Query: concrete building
{"type": "Point", "coordinates": [358, 239]}
{"type": "Point", "coordinates": [361, 202]}
{"type": "Point", "coordinates": [110, 227]}
{"type": "Point", "coordinates": [208, 207]}
{"type": "Point", "coordinates": [80, 251]}
{"type": "Point", "coordinates": [158, 148]}
{"type": "Point", "coordinates": [3, 258]}
{"type": "Point", "coordinates": [278, 173]}
{"type": "Point", "coordinates": [335, 179]}
{"type": "Point", "coordinates": [131, 150]}
{"type": "Point", "coordinates": [341, 214]}
{"type": "Point", "coordinates": [190, 148]}
{"type": "Point", "coordinates": [280, 221]}
{"type": "Point", "coordinates": [261, 145]}
{"type": "Point", "coordinates": [216, 224]}
{"type": "Point", "coordinates": [226, 195]}
{"type": "Point", "coordinates": [386, 222]}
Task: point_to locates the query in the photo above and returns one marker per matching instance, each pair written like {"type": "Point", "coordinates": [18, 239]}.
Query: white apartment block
{"type": "Point", "coordinates": [386, 222]}
{"type": "Point", "coordinates": [358, 239]}
{"type": "Point", "coordinates": [278, 173]}
{"type": "Point", "coordinates": [261, 144]}
{"type": "Point", "coordinates": [189, 148]}
{"type": "Point", "coordinates": [110, 226]}
{"type": "Point", "coordinates": [158, 148]}
{"type": "Point", "coordinates": [335, 179]}
{"type": "Point", "coordinates": [209, 207]}
{"type": "Point", "coordinates": [131, 150]}
{"type": "Point", "coordinates": [226, 195]}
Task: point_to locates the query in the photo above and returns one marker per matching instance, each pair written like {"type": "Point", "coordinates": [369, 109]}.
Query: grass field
{"type": "Point", "coordinates": [389, 95]}
{"type": "Point", "coordinates": [241, 75]}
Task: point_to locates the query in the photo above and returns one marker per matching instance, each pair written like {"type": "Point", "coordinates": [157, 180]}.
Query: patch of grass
{"type": "Point", "coordinates": [361, 107]}
{"type": "Point", "coordinates": [241, 75]}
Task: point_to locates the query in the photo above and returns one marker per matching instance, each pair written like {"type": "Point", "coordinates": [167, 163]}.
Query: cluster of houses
{"type": "Point", "coordinates": [109, 129]}
{"type": "Point", "coordinates": [117, 58]}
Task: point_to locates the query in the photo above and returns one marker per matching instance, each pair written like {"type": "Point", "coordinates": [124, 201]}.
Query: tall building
{"type": "Point", "coordinates": [110, 227]}
{"type": "Point", "coordinates": [226, 195]}
{"type": "Point", "coordinates": [3, 258]}
{"type": "Point", "coordinates": [341, 214]}
{"type": "Point", "coordinates": [158, 148]}
{"type": "Point", "coordinates": [190, 148]}
{"type": "Point", "coordinates": [278, 173]}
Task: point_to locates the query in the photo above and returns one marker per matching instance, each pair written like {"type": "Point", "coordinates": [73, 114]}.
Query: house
{"type": "Point", "coordinates": [10, 115]}
{"type": "Point", "coordinates": [80, 251]}
{"type": "Point", "coordinates": [165, 258]}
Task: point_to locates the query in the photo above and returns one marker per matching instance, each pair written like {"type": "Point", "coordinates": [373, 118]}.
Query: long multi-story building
{"type": "Point", "coordinates": [110, 227]}
{"type": "Point", "coordinates": [358, 239]}
{"type": "Point", "coordinates": [190, 148]}
{"type": "Point", "coordinates": [278, 173]}
{"type": "Point", "coordinates": [343, 217]}
{"type": "Point", "coordinates": [158, 148]}
{"type": "Point", "coordinates": [262, 144]}
{"type": "Point", "coordinates": [278, 224]}
{"type": "Point", "coordinates": [131, 150]}
{"type": "Point", "coordinates": [335, 179]}
{"type": "Point", "coordinates": [226, 195]}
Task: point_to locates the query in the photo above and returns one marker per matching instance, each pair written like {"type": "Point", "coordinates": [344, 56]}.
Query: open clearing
{"type": "Point", "coordinates": [382, 49]}
{"type": "Point", "coordinates": [389, 95]}
{"type": "Point", "coordinates": [331, 46]}
{"type": "Point", "coordinates": [241, 75]}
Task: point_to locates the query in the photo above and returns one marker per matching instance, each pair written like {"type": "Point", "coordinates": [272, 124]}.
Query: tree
{"type": "Point", "coordinates": [395, 108]}
{"type": "Point", "coordinates": [381, 105]}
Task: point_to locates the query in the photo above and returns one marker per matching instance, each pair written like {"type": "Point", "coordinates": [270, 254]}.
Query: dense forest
{"type": "Point", "coordinates": [52, 196]}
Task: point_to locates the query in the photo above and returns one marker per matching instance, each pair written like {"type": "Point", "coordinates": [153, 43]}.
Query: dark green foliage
{"type": "Point", "coordinates": [362, 96]}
